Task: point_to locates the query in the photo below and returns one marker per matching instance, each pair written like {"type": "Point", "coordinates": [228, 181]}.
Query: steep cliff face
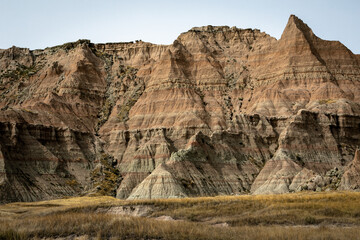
{"type": "Point", "coordinates": [220, 111]}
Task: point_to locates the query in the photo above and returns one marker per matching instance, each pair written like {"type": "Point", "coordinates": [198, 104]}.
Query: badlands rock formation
{"type": "Point", "coordinates": [220, 111]}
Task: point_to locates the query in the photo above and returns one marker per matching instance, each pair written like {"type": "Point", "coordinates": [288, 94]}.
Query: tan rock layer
{"type": "Point", "coordinates": [220, 111]}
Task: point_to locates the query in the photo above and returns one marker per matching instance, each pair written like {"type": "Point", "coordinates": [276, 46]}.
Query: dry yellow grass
{"type": "Point", "coordinates": [327, 101]}
{"type": "Point", "coordinates": [334, 215]}
{"type": "Point", "coordinates": [105, 226]}
{"type": "Point", "coordinates": [289, 209]}
{"type": "Point", "coordinates": [51, 206]}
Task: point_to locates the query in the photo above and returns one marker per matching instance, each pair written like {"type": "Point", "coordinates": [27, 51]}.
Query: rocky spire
{"type": "Point", "coordinates": [296, 26]}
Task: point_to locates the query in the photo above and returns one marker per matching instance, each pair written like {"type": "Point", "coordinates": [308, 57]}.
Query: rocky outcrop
{"type": "Point", "coordinates": [159, 184]}
{"type": "Point", "coordinates": [351, 178]}
{"type": "Point", "coordinates": [46, 162]}
{"type": "Point", "coordinates": [277, 175]}
{"type": "Point", "coordinates": [220, 111]}
{"type": "Point", "coordinates": [311, 146]}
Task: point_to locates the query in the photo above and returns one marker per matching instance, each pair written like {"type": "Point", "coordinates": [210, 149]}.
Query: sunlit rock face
{"type": "Point", "coordinates": [220, 111]}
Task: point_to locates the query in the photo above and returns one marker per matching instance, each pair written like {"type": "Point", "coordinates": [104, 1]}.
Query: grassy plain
{"type": "Point", "coordinates": [307, 215]}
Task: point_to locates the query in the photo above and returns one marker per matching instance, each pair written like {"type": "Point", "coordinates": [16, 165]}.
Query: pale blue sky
{"type": "Point", "coordinates": [43, 23]}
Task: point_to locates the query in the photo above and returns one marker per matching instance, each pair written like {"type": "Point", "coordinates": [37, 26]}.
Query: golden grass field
{"type": "Point", "coordinates": [307, 215]}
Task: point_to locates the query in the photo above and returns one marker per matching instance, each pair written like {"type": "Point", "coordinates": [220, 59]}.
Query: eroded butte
{"type": "Point", "coordinates": [220, 111]}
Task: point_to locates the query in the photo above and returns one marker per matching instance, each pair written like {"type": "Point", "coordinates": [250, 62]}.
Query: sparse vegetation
{"type": "Point", "coordinates": [72, 183]}
{"type": "Point", "coordinates": [123, 113]}
{"type": "Point", "coordinates": [326, 101]}
{"type": "Point", "coordinates": [106, 178]}
{"type": "Point", "coordinates": [288, 216]}
{"type": "Point", "coordinates": [68, 46]}
{"type": "Point", "coordinates": [130, 97]}
{"type": "Point", "coordinates": [127, 71]}
{"type": "Point", "coordinates": [20, 72]}
{"type": "Point", "coordinates": [104, 113]}
{"type": "Point", "coordinates": [28, 110]}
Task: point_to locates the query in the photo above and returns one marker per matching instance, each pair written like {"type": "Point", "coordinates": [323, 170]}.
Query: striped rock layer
{"type": "Point", "coordinates": [220, 111]}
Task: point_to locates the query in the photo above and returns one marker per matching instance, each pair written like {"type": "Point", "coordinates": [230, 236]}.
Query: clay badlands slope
{"type": "Point", "coordinates": [220, 111]}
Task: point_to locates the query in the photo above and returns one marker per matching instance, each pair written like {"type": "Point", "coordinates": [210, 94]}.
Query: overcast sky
{"type": "Point", "coordinates": [43, 23]}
